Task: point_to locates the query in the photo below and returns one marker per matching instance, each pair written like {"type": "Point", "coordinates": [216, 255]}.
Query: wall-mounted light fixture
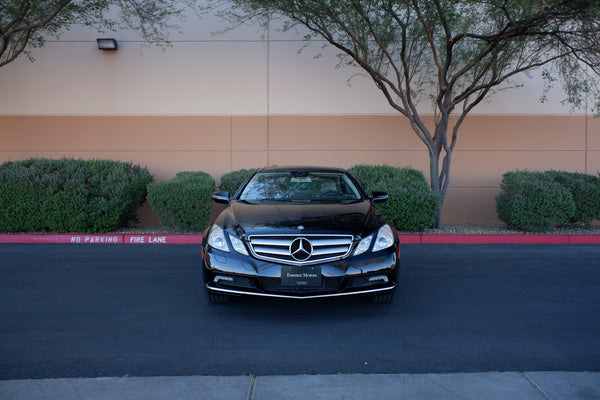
{"type": "Point", "coordinates": [107, 44]}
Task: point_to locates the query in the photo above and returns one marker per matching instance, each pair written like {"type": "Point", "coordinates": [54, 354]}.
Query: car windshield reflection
{"type": "Point", "coordinates": [304, 187]}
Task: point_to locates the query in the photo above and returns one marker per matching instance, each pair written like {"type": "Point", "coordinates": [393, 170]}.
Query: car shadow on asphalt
{"type": "Point", "coordinates": [325, 310]}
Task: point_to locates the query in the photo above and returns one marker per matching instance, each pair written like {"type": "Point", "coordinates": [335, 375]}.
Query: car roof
{"type": "Point", "coordinates": [296, 168]}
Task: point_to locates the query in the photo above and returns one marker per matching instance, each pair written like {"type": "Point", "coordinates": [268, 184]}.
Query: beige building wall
{"type": "Point", "coordinates": [489, 146]}
{"type": "Point", "coordinates": [248, 99]}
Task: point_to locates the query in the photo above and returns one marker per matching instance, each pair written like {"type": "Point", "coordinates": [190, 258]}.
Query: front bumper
{"type": "Point", "coordinates": [236, 275]}
{"type": "Point", "coordinates": [238, 292]}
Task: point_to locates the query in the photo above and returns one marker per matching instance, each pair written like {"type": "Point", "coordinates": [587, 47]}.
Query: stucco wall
{"type": "Point", "coordinates": [488, 146]}
{"type": "Point", "coordinates": [248, 98]}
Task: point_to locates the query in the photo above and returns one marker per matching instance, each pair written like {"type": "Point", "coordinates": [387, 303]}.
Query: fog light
{"type": "Point", "coordinates": [379, 278]}
{"type": "Point", "coordinates": [222, 278]}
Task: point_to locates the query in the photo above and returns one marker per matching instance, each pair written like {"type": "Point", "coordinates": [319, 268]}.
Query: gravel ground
{"type": "Point", "coordinates": [473, 229]}
{"type": "Point", "coordinates": [501, 229]}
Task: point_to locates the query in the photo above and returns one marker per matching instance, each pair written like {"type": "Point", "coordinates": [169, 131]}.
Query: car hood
{"type": "Point", "coordinates": [359, 218]}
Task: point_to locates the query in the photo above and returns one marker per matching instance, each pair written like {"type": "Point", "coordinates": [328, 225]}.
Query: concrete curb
{"type": "Point", "coordinates": [463, 386]}
{"type": "Point", "coordinates": [197, 239]}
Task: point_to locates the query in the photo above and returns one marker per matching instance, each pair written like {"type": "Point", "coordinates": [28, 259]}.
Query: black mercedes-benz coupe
{"type": "Point", "coordinates": [302, 233]}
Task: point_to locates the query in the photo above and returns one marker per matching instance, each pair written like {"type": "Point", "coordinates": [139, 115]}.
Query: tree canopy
{"type": "Point", "coordinates": [25, 24]}
{"type": "Point", "coordinates": [450, 54]}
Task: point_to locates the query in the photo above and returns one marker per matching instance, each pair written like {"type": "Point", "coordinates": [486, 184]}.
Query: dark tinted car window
{"type": "Point", "coordinates": [322, 187]}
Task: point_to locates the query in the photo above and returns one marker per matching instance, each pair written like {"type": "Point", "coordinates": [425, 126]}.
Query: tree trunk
{"type": "Point", "coordinates": [434, 176]}
{"type": "Point", "coordinates": [439, 179]}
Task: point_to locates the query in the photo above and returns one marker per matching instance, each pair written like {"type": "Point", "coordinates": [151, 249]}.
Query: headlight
{"type": "Point", "coordinates": [216, 239]}
{"type": "Point", "coordinates": [238, 245]}
{"type": "Point", "coordinates": [363, 245]}
{"type": "Point", "coordinates": [385, 238]}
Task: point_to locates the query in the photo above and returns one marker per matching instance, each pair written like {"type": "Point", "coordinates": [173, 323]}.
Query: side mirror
{"type": "Point", "coordinates": [379, 197]}
{"type": "Point", "coordinates": [221, 197]}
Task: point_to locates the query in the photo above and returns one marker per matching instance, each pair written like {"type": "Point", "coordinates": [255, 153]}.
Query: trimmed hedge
{"type": "Point", "coordinates": [231, 181]}
{"type": "Point", "coordinates": [411, 204]}
{"type": "Point", "coordinates": [68, 195]}
{"type": "Point", "coordinates": [585, 190]}
{"type": "Point", "coordinates": [184, 202]}
{"type": "Point", "coordinates": [534, 201]}
{"type": "Point", "coordinates": [382, 177]}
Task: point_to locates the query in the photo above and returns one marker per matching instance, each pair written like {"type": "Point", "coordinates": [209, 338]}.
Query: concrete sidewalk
{"type": "Point", "coordinates": [464, 386]}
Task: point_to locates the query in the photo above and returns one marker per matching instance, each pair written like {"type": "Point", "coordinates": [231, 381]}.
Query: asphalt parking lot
{"type": "Point", "coordinates": [105, 311]}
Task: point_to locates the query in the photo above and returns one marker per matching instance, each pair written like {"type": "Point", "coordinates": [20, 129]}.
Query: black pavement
{"type": "Point", "coordinates": [469, 321]}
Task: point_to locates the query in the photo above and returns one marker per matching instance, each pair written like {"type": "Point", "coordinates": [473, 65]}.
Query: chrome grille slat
{"type": "Point", "coordinates": [277, 248]}
{"type": "Point", "coordinates": [331, 242]}
{"type": "Point", "coordinates": [334, 250]}
{"type": "Point", "coordinates": [271, 250]}
{"type": "Point", "coordinates": [271, 242]}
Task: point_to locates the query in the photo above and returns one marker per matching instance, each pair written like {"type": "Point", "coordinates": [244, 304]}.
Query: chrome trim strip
{"type": "Point", "coordinates": [258, 241]}
{"type": "Point", "coordinates": [297, 235]}
{"type": "Point", "coordinates": [331, 242]}
{"type": "Point", "coordinates": [271, 250]}
{"type": "Point", "coordinates": [333, 250]}
{"type": "Point", "coordinates": [283, 296]}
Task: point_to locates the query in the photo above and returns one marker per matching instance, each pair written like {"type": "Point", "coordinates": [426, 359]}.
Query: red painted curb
{"type": "Point", "coordinates": [499, 239]}
{"type": "Point", "coordinates": [409, 239]}
{"type": "Point", "coordinates": [508, 239]}
{"type": "Point", "coordinates": [162, 239]}
{"type": "Point", "coordinates": [585, 239]}
{"type": "Point", "coordinates": [65, 238]}
{"type": "Point", "coordinates": [100, 239]}
{"type": "Point", "coordinates": [197, 239]}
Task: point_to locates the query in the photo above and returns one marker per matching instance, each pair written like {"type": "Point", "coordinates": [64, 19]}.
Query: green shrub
{"type": "Point", "coordinates": [231, 181]}
{"type": "Point", "coordinates": [411, 204]}
{"type": "Point", "coordinates": [68, 195]}
{"type": "Point", "coordinates": [533, 202]}
{"type": "Point", "coordinates": [184, 202]}
{"type": "Point", "coordinates": [409, 208]}
{"type": "Point", "coordinates": [585, 190]}
{"type": "Point", "coordinates": [376, 177]}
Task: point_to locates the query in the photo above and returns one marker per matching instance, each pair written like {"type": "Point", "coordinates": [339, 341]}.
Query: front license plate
{"type": "Point", "coordinates": [294, 275]}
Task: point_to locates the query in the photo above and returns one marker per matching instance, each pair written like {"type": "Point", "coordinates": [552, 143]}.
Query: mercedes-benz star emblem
{"type": "Point", "coordinates": [301, 249]}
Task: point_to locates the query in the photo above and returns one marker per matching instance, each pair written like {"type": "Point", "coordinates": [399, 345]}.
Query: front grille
{"type": "Point", "coordinates": [300, 249]}
{"type": "Point", "coordinates": [328, 284]}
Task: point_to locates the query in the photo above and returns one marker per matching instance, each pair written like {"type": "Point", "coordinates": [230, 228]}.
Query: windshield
{"type": "Point", "coordinates": [300, 186]}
